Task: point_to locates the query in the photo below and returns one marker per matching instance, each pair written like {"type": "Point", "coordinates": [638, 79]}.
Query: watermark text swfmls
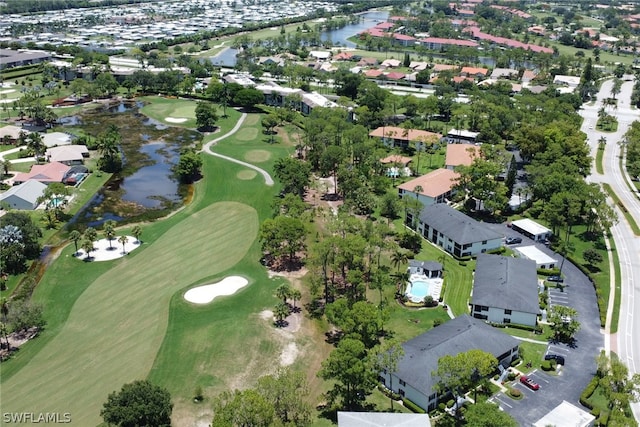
{"type": "Point", "coordinates": [36, 417]}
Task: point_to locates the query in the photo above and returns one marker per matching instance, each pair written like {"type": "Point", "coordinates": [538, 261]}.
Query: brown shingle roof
{"type": "Point", "coordinates": [396, 158]}
{"type": "Point", "coordinates": [403, 134]}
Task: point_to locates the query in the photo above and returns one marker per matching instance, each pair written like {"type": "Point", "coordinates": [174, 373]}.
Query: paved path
{"type": "Point", "coordinates": [627, 341]}
{"type": "Point", "coordinates": [15, 150]}
{"type": "Point", "coordinates": [207, 149]}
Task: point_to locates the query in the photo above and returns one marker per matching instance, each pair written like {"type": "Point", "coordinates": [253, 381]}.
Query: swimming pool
{"type": "Point", "coordinates": [57, 201]}
{"type": "Point", "coordinates": [420, 286]}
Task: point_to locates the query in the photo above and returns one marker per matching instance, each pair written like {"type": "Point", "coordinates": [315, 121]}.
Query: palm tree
{"type": "Point", "coordinates": [418, 189]}
{"type": "Point", "coordinates": [283, 292]}
{"type": "Point", "coordinates": [280, 312]}
{"type": "Point", "coordinates": [87, 246]}
{"type": "Point", "coordinates": [109, 230]}
{"type": "Point", "coordinates": [36, 145]}
{"type": "Point", "coordinates": [295, 296]}
{"type": "Point", "coordinates": [123, 240]}
{"type": "Point", "coordinates": [75, 237]}
{"type": "Point", "coordinates": [6, 166]}
{"type": "Point", "coordinates": [398, 258]}
{"type": "Point", "coordinates": [136, 231]}
{"type": "Point", "coordinates": [90, 234]}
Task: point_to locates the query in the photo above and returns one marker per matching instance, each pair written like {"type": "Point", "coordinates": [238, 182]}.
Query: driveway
{"type": "Point", "coordinates": [580, 365]}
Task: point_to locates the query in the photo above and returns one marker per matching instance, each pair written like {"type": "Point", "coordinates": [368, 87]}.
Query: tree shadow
{"type": "Point", "coordinates": [315, 308]}
{"type": "Point", "coordinates": [333, 337]}
{"type": "Point", "coordinates": [281, 323]}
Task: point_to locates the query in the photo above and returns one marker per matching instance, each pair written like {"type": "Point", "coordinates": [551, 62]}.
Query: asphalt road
{"type": "Point", "coordinates": [580, 366]}
{"type": "Point", "coordinates": [625, 343]}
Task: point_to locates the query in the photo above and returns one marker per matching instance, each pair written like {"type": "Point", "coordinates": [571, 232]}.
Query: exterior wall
{"type": "Point", "coordinates": [408, 392]}
{"type": "Point", "coordinates": [425, 200]}
{"type": "Point", "coordinates": [497, 315]}
{"type": "Point", "coordinates": [16, 202]}
{"type": "Point", "coordinates": [452, 247]}
{"type": "Point", "coordinates": [537, 237]}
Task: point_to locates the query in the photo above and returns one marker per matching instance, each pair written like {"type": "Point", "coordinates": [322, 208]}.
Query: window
{"type": "Point", "coordinates": [505, 320]}
{"type": "Point", "coordinates": [402, 383]}
{"type": "Point", "coordinates": [484, 242]}
{"type": "Point", "coordinates": [401, 392]}
{"type": "Point", "coordinates": [507, 311]}
{"type": "Point", "coordinates": [476, 308]}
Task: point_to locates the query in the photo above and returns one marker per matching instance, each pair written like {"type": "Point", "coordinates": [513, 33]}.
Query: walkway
{"type": "Point", "coordinates": [207, 149]}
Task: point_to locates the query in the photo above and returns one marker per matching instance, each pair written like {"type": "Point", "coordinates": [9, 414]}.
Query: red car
{"type": "Point", "coordinates": [529, 382]}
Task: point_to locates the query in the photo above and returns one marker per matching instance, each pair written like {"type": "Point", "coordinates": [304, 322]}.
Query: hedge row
{"type": "Point", "coordinates": [587, 392]}
{"type": "Point", "coordinates": [415, 408]}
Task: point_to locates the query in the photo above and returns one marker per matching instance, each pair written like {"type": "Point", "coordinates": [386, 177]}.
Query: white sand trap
{"type": "Point", "coordinates": [206, 293]}
{"type": "Point", "coordinates": [105, 251]}
{"type": "Point", "coordinates": [7, 91]}
{"type": "Point", "coordinates": [175, 119]}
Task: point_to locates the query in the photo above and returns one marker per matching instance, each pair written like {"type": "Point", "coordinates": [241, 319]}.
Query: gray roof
{"type": "Point", "coordinates": [459, 335]}
{"type": "Point", "coordinates": [427, 265]}
{"type": "Point", "coordinates": [28, 191]}
{"type": "Point", "coordinates": [455, 225]}
{"type": "Point", "coordinates": [382, 419]}
{"type": "Point", "coordinates": [506, 282]}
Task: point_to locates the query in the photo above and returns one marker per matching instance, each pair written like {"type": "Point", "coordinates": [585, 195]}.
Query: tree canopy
{"type": "Point", "coordinates": [139, 403]}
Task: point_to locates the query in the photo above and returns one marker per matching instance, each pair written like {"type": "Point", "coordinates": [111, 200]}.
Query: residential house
{"type": "Point", "coordinates": [478, 73]}
{"type": "Point", "coordinates": [404, 40]}
{"type": "Point", "coordinates": [541, 259]}
{"type": "Point", "coordinates": [395, 75]}
{"type": "Point", "coordinates": [367, 62]}
{"type": "Point", "coordinates": [374, 73]}
{"type": "Point", "coordinates": [343, 56]}
{"type": "Point", "coordinates": [24, 196]}
{"type": "Point", "coordinates": [320, 55]}
{"type": "Point", "coordinates": [504, 73]}
{"type": "Point", "coordinates": [16, 58]}
{"type": "Point", "coordinates": [455, 232]}
{"type": "Point", "coordinates": [570, 82]}
{"type": "Point", "coordinates": [413, 377]}
{"type": "Point", "coordinates": [428, 268]}
{"type": "Point", "coordinates": [391, 63]}
{"type": "Point", "coordinates": [67, 154]}
{"type": "Point", "coordinates": [10, 134]}
{"type": "Point", "coordinates": [46, 174]}
{"type": "Point", "coordinates": [434, 187]}
{"type": "Point", "coordinates": [54, 139]}
{"type": "Point", "coordinates": [505, 290]}
{"type": "Point", "coordinates": [393, 136]}
{"type": "Point", "coordinates": [460, 154]}
{"type": "Point", "coordinates": [418, 65]}
{"type": "Point", "coordinates": [566, 414]}
{"type": "Point", "coordinates": [437, 68]}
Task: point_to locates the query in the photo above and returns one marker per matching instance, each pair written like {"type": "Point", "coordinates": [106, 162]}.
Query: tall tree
{"type": "Point", "coordinates": [109, 229]}
{"type": "Point", "coordinates": [352, 371]}
{"type": "Point", "coordinates": [136, 232]}
{"type": "Point", "coordinates": [564, 322]}
{"type": "Point", "coordinates": [294, 175]}
{"type": "Point", "coordinates": [123, 240]}
{"type": "Point", "coordinates": [139, 403]}
{"type": "Point", "coordinates": [388, 354]}
{"type": "Point", "coordinates": [75, 236]}
{"type": "Point", "coordinates": [206, 116]}
{"type": "Point", "coordinates": [287, 391]}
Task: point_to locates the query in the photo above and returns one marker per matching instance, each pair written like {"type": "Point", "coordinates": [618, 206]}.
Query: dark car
{"type": "Point", "coordinates": [513, 240]}
{"type": "Point", "coordinates": [529, 382]}
{"type": "Point", "coordinates": [557, 279]}
{"type": "Point", "coordinates": [559, 359]}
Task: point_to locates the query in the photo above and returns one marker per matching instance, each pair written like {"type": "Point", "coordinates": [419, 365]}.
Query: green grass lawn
{"type": "Point", "coordinates": [197, 245]}
{"type": "Point", "coordinates": [160, 109]}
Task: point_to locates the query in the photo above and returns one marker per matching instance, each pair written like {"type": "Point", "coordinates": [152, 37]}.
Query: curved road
{"type": "Point", "coordinates": [624, 343]}
{"type": "Point", "coordinates": [207, 148]}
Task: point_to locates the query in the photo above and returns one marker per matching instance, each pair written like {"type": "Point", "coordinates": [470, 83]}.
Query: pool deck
{"type": "Point", "coordinates": [435, 287]}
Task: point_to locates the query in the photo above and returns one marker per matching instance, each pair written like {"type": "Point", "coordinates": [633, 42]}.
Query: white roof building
{"type": "Point", "coordinates": [531, 229]}
{"type": "Point", "coordinates": [534, 254]}
{"type": "Point", "coordinates": [24, 196]}
{"type": "Point", "coordinates": [54, 139]}
{"type": "Point", "coordinates": [566, 415]}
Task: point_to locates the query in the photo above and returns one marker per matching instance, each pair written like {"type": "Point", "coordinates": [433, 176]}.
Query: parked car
{"type": "Point", "coordinates": [513, 240]}
{"type": "Point", "coordinates": [529, 382]}
{"type": "Point", "coordinates": [557, 279]}
{"type": "Point", "coordinates": [559, 359]}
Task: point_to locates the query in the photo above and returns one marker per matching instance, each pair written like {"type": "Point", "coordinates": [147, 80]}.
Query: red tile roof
{"type": "Point", "coordinates": [461, 154]}
{"type": "Point", "coordinates": [453, 42]}
{"type": "Point", "coordinates": [47, 173]}
{"type": "Point", "coordinates": [396, 75]}
{"type": "Point", "coordinates": [433, 184]}
{"type": "Point", "coordinates": [478, 34]}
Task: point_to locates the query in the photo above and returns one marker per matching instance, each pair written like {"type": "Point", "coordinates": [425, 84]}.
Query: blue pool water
{"type": "Point", "coordinates": [419, 289]}
{"type": "Point", "coordinates": [57, 201]}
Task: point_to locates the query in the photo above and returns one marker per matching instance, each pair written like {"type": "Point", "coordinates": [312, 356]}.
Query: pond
{"type": "Point", "coordinates": [146, 187]}
{"type": "Point", "coordinates": [367, 20]}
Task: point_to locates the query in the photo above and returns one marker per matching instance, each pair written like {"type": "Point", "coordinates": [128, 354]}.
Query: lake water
{"type": "Point", "coordinates": [367, 20]}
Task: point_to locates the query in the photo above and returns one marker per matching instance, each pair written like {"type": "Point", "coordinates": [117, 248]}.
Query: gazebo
{"type": "Point", "coordinates": [431, 269]}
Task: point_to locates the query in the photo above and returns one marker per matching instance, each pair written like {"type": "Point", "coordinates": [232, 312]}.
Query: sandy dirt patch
{"type": "Point", "coordinates": [175, 119]}
{"type": "Point", "coordinates": [289, 354]}
{"type": "Point", "coordinates": [107, 251]}
{"type": "Point", "coordinates": [207, 293]}
{"type": "Point", "coordinates": [247, 174]}
{"type": "Point", "coordinates": [5, 91]}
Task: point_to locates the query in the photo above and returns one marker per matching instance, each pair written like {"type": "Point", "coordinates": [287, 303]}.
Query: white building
{"type": "Point", "coordinates": [541, 259]}
{"type": "Point", "coordinates": [566, 415]}
{"type": "Point", "coordinates": [531, 229]}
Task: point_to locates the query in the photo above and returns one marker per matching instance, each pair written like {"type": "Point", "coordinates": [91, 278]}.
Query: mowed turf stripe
{"type": "Point", "coordinates": [117, 325]}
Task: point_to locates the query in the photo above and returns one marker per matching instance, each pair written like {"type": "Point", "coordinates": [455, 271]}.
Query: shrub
{"type": "Point", "coordinates": [515, 393]}
{"type": "Point", "coordinates": [595, 412]}
{"type": "Point", "coordinates": [442, 406]}
{"type": "Point", "coordinates": [546, 365]}
{"type": "Point", "coordinates": [437, 322]}
{"type": "Point", "coordinates": [515, 362]}
{"type": "Point", "coordinates": [603, 420]}
{"type": "Point", "coordinates": [450, 403]}
{"type": "Point", "coordinates": [496, 377]}
{"type": "Point", "coordinates": [462, 263]}
{"type": "Point", "coordinates": [512, 376]}
{"type": "Point", "coordinates": [587, 392]}
{"type": "Point", "coordinates": [412, 406]}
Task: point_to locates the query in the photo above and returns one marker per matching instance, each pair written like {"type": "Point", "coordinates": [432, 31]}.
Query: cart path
{"type": "Point", "coordinates": [207, 149]}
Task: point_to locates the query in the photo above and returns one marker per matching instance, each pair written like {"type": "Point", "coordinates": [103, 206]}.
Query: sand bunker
{"type": "Point", "coordinates": [175, 119]}
{"type": "Point", "coordinates": [107, 251]}
{"type": "Point", "coordinates": [206, 293]}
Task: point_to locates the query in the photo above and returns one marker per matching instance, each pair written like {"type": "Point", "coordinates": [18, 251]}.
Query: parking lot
{"type": "Point", "coordinates": [580, 366]}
